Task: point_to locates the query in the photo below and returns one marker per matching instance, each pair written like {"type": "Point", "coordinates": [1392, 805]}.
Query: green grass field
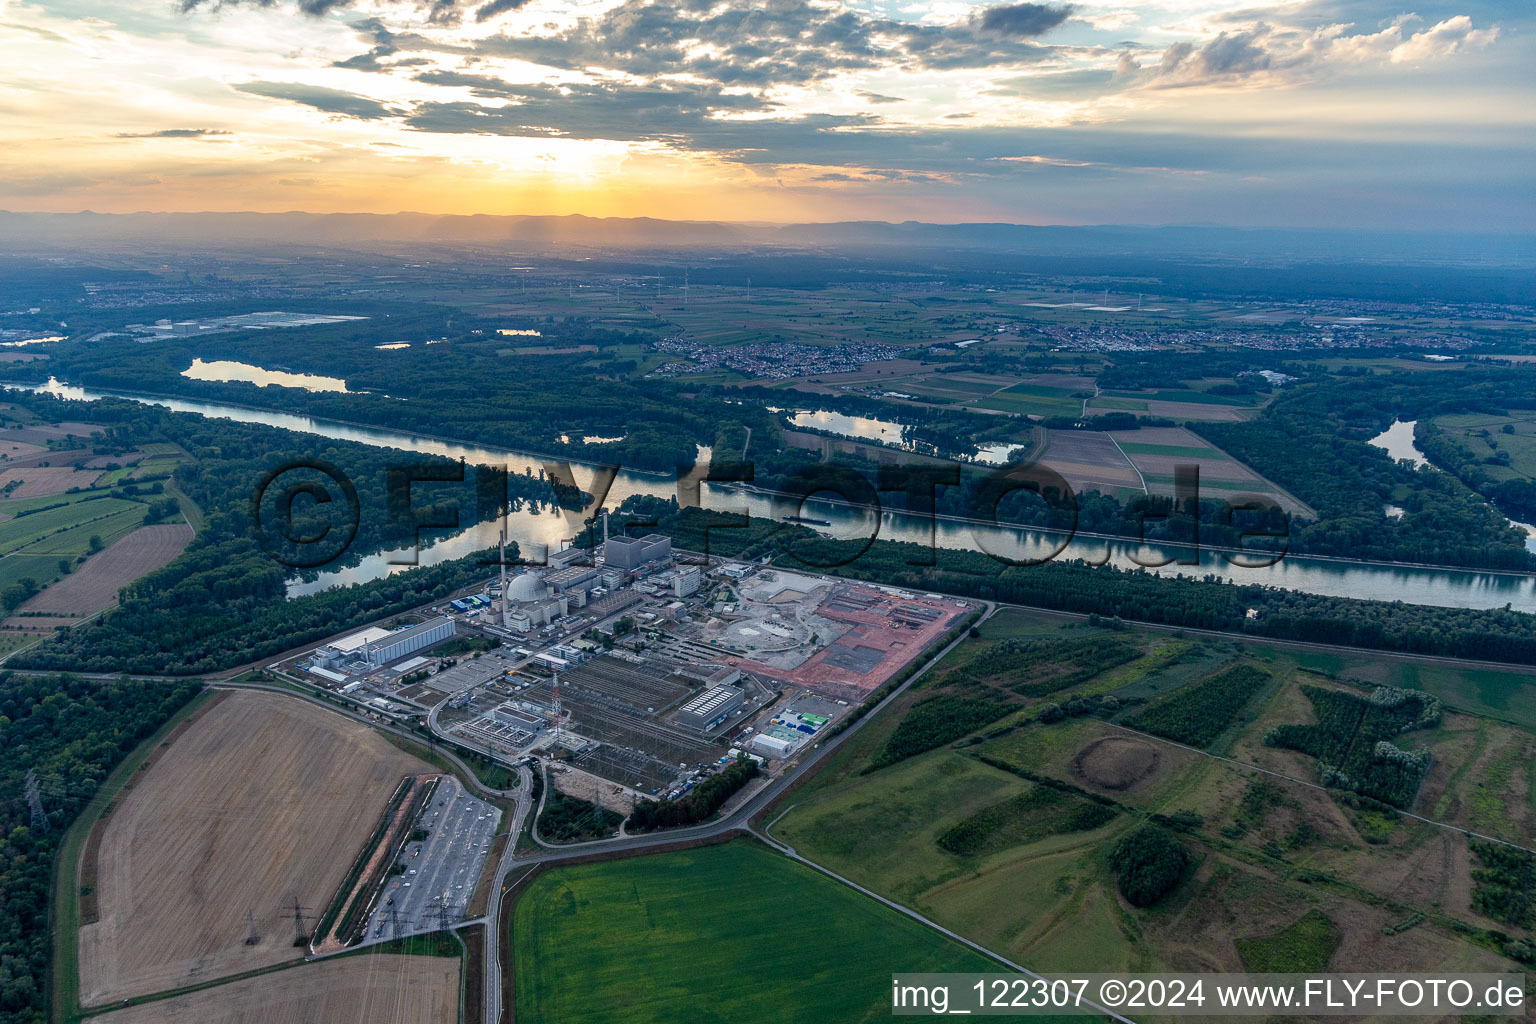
{"type": "Point", "coordinates": [1196, 397]}
{"type": "Point", "coordinates": [1034, 400]}
{"type": "Point", "coordinates": [1302, 948]}
{"type": "Point", "coordinates": [1131, 448]}
{"type": "Point", "coordinates": [1467, 429]}
{"type": "Point", "coordinates": [42, 569]}
{"type": "Point", "coordinates": [27, 531]}
{"type": "Point", "coordinates": [31, 546]}
{"type": "Point", "coordinates": [13, 506]}
{"type": "Point", "coordinates": [12, 642]}
{"type": "Point", "coordinates": [1507, 694]}
{"type": "Point", "coordinates": [721, 933]}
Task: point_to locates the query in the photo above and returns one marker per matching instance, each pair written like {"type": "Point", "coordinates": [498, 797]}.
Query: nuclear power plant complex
{"type": "Point", "coordinates": [638, 667]}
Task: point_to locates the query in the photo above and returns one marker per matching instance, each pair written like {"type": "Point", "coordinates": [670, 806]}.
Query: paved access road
{"type": "Point", "coordinates": [513, 866]}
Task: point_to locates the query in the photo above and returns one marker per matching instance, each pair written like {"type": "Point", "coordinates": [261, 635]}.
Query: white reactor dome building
{"type": "Point", "coordinates": [526, 586]}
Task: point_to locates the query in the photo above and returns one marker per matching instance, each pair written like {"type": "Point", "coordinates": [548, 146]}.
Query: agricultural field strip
{"type": "Point", "coordinates": [23, 531]}
{"type": "Point", "coordinates": [1129, 462]}
{"type": "Point", "coordinates": [94, 586]}
{"type": "Point", "coordinates": [325, 987]}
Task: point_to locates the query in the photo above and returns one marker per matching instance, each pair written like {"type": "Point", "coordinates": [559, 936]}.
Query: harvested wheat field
{"type": "Point", "coordinates": [37, 481]}
{"type": "Point", "coordinates": [264, 799]}
{"type": "Point", "coordinates": [94, 586]}
{"type": "Point", "coordinates": [384, 987]}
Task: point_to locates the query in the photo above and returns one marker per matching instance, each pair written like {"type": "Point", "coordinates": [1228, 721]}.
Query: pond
{"type": "Point", "coordinates": [227, 370]}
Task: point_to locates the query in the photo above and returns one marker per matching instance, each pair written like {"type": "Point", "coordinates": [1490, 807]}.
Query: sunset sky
{"type": "Point", "coordinates": [1359, 113]}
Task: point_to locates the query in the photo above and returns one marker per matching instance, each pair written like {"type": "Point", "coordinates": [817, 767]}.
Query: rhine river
{"type": "Point", "coordinates": [537, 529]}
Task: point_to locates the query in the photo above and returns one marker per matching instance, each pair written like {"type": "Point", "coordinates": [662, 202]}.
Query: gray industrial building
{"type": "Point", "coordinates": [686, 582]}
{"type": "Point", "coordinates": [576, 580]}
{"type": "Point", "coordinates": [510, 714]}
{"type": "Point", "coordinates": [406, 641]}
{"type": "Point", "coordinates": [711, 708]}
{"type": "Point", "coordinates": [633, 552]}
{"type": "Point", "coordinates": [565, 558]}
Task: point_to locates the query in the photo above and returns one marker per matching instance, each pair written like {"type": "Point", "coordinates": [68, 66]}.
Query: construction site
{"type": "Point", "coordinates": [632, 665]}
{"type": "Point", "coordinates": [650, 707]}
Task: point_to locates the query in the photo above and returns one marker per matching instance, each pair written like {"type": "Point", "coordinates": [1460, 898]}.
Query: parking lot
{"type": "Point", "coordinates": [444, 867]}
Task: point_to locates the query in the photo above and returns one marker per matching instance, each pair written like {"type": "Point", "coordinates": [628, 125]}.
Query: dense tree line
{"type": "Point", "coordinates": [1515, 495]}
{"type": "Point", "coordinates": [1041, 666]}
{"type": "Point", "coordinates": [936, 721]}
{"type": "Point", "coordinates": [569, 819]}
{"type": "Point", "coordinates": [1498, 634]}
{"type": "Point", "coordinates": [1504, 887]}
{"type": "Point", "coordinates": [1312, 441]}
{"type": "Point", "coordinates": [699, 804]}
{"type": "Point", "coordinates": [1352, 741]}
{"type": "Point", "coordinates": [1035, 814]}
{"type": "Point", "coordinates": [71, 733]}
{"type": "Point", "coordinates": [471, 383]}
{"type": "Point", "coordinates": [1196, 715]}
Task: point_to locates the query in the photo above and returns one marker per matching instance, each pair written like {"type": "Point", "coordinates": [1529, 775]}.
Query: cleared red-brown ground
{"type": "Point", "coordinates": [882, 639]}
{"type": "Point", "coordinates": [93, 587]}
{"type": "Point", "coordinates": [263, 800]}
{"type": "Point", "coordinates": [384, 987]}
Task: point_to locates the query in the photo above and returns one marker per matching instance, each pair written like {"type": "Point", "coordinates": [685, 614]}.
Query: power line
{"type": "Point", "coordinates": [300, 936]}
{"type": "Point", "coordinates": [251, 937]}
{"type": "Point", "coordinates": [39, 823]}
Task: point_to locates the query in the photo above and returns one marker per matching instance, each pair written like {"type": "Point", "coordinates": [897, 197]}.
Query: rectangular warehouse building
{"type": "Point", "coordinates": [509, 714]}
{"type": "Point", "coordinates": [632, 552]}
{"type": "Point", "coordinates": [409, 640]}
{"type": "Point", "coordinates": [710, 708]}
{"type": "Point", "coordinates": [772, 746]}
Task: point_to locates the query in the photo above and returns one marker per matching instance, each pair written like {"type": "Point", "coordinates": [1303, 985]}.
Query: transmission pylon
{"type": "Point", "coordinates": [300, 936]}
{"type": "Point", "coordinates": [39, 823]}
{"type": "Point", "coordinates": [555, 745]}
{"type": "Point", "coordinates": [251, 937]}
{"type": "Point", "coordinates": [444, 911]}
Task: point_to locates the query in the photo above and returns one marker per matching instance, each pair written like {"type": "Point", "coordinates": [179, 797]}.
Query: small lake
{"type": "Point", "coordinates": [227, 370]}
{"type": "Point", "coordinates": [1397, 441]}
{"type": "Point", "coordinates": [859, 428]}
{"type": "Point", "coordinates": [996, 454]}
{"type": "Point", "coordinates": [866, 428]}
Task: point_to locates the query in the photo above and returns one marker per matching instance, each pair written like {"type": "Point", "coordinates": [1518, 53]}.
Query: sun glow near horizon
{"type": "Point", "coordinates": [1146, 112]}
